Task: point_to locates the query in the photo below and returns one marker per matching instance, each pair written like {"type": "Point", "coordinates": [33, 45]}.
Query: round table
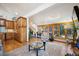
{"type": "Point", "coordinates": [36, 44]}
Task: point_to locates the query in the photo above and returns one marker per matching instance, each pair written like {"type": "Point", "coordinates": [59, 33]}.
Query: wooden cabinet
{"type": "Point", "coordinates": [1, 36]}
{"type": "Point", "coordinates": [10, 30]}
{"type": "Point", "coordinates": [9, 36]}
{"type": "Point", "coordinates": [22, 34]}
{"type": "Point", "coordinates": [9, 24]}
{"type": "Point", "coordinates": [15, 29]}
{"type": "Point", "coordinates": [21, 22]}
{"type": "Point", "coordinates": [21, 29]}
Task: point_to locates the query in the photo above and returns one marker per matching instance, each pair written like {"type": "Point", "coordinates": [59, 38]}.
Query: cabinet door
{"type": "Point", "coordinates": [9, 24]}
{"type": "Point", "coordinates": [23, 34]}
{"type": "Point", "coordinates": [10, 36]}
{"type": "Point", "coordinates": [1, 36]}
{"type": "Point", "coordinates": [22, 22]}
{"type": "Point", "coordinates": [21, 29]}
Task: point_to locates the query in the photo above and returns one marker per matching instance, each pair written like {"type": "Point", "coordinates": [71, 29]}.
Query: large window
{"type": "Point", "coordinates": [61, 29]}
{"type": "Point", "coordinates": [56, 30]}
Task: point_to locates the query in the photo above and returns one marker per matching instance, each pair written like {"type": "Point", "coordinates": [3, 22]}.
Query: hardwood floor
{"type": "Point", "coordinates": [10, 45]}
{"type": "Point", "coordinates": [52, 49]}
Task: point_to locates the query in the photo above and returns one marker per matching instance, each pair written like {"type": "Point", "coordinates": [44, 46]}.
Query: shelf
{"type": "Point", "coordinates": [21, 29]}
{"type": "Point", "coordinates": [9, 24]}
{"type": "Point", "coordinates": [10, 30]}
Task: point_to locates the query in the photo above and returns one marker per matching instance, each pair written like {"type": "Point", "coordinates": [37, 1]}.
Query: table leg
{"type": "Point", "coordinates": [36, 52]}
{"type": "Point", "coordinates": [29, 47]}
{"type": "Point", "coordinates": [44, 43]}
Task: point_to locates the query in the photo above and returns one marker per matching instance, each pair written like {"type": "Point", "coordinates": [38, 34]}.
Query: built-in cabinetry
{"type": "Point", "coordinates": [10, 31]}
{"type": "Point", "coordinates": [14, 29]}
{"type": "Point", "coordinates": [21, 29]}
{"type": "Point", "coordinates": [9, 24]}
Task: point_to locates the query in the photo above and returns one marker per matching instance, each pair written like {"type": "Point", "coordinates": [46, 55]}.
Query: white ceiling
{"type": "Point", "coordinates": [44, 12]}
{"type": "Point", "coordinates": [10, 10]}
{"type": "Point", "coordinates": [60, 12]}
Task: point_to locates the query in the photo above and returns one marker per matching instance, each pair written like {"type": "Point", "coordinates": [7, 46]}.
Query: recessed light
{"type": "Point", "coordinates": [16, 13]}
